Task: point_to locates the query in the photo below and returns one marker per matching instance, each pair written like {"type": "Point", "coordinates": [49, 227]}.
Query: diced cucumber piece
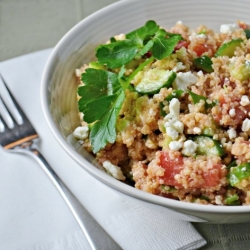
{"type": "Point", "coordinates": [227, 49]}
{"type": "Point", "coordinates": [238, 174]}
{"type": "Point", "coordinates": [204, 63]}
{"type": "Point", "coordinates": [208, 131]}
{"type": "Point", "coordinates": [241, 72]}
{"type": "Point", "coordinates": [154, 80]}
{"type": "Point", "coordinates": [208, 146]}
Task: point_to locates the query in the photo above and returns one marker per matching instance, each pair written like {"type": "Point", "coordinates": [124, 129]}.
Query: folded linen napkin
{"type": "Point", "coordinates": [32, 214]}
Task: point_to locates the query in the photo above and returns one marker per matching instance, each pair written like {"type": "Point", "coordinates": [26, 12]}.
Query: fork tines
{"type": "Point", "coordinates": [15, 128]}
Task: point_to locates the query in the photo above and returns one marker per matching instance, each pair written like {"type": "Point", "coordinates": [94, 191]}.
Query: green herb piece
{"type": "Point", "coordinates": [232, 200]}
{"type": "Point", "coordinates": [203, 197]}
{"type": "Point", "coordinates": [163, 46]}
{"type": "Point", "coordinates": [204, 63]}
{"type": "Point", "coordinates": [247, 32]}
{"type": "Point", "coordinates": [138, 42]}
{"type": "Point", "coordinates": [197, 98]}
{"type": "Point", "coordinates": [117, 53]}
{"type": "Point", "coordinates": [232, 164]}
{"type": "Point", "coordinates": [143, 33]}
{"type": "Point", "coordinates": [175, 94]}
{"type": "Point", "coordinates": [100, 102]}
{"type": "Point", "coordinates": [227, 49]}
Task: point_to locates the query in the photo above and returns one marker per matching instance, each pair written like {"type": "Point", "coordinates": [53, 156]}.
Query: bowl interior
{"type": "Point", "coordinates": [77, 47]}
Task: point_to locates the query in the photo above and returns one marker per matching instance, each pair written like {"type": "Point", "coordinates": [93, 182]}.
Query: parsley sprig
{"type": "Point", "coordinates": [103, 92]}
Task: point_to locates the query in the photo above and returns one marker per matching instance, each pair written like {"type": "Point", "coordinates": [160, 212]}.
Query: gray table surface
{"type": "Point", "coordinates": [30, 25]}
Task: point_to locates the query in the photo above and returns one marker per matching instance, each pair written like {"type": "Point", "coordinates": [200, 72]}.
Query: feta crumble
{"type": "Point", "coordinates": [175, 145]}
{"type": "Point", "coordinates": [81, 132]}
{"type": "Point", "coordinates": [232, 112]}
{"type": "Point", "coordinates": [113, 170]}
{"type": "Point", "coordinates": [244, 100]}
{"type": "Point", "coordinates": [184, 79]}
{"type": "Point", "coordinates": [232, 133]}
{"type": "Point", "coordinates": [228, 28]}
{"type": "Point", "coordinates": [245, 125]}
{"type": "Point", "coordinates": [172, 124]}
{"type": "Point", "coordinates": [189, 148]}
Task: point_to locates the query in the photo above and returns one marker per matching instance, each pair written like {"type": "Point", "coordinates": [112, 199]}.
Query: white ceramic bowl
{"type": "Point", "coordinates": [77, 47]}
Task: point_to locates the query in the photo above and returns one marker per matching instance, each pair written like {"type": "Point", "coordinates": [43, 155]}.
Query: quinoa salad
{"type": "Point", "coordinates": [167, 110]}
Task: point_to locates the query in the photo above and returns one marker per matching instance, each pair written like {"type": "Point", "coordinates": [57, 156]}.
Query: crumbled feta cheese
{"type": "Point", "coordinates": [245, 125]}
{"type": "Point", "coordinates": [197, 130]}
{"type": "Point", "coordinates": [184, 79]}
{"type": "Point", "coordinates": [232, 112]}
{"type": "Point", "coordinates": [231, 133]}
{"type": "Point", "coordinates": [179, 22]}
{"type": "Point", "coordinates": [78, 72]}
{"type": "Point", "coordinates": [114, 170]}
{"type": "Point", "coordinates": [172, 132]}
{"type": "Point", "coordinates": [201, 35]}
{"type": "Point", "coordinates": [228, 28]}
{"type": "Point", "coordinates": [200, 73]}
{"type": "Point", "coordinates": [244, 100]}
{"type": "Point", "coordinates": [226, 80]}
{"type": "Point", "coordinates": [179, 126]}
{"type": "Point", "coordinates": [174, 107]}
{"type": "Point", "coordinates": [179, 66]}
{"type": "Point", "coordinates": [81, 132]}
{"type": "Point", "coordinates": [189, 148]}
{"type": "Point", "coordinates": [172, 124]}
{"type": "Point", "coordinates": [175, 145]}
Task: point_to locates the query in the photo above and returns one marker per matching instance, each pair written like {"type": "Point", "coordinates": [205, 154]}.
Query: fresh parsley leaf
{"type": "Point", "coordinates": [138, 36]}
{"type": "Point", "coordinates": [204, 63]}
{"type": "Point", "coordinates": [163, 46]}
{"type": "Point", "coordinates": [146, 48]}
{"type": "Point", "coordinates": [175, 94]}
{"type": "Point", "coordinates": [197, 98]}
{"type": "Point", "coordinates": [98, 83]}
{"type": "Point", "coordinates": [117, 53]}
{"type": "Point", "coordinates": [104, 130]}
{"type": "Point", "coordinates": [100, 102]}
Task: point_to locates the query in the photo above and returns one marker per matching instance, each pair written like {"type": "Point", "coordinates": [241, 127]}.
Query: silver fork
{"type": "Point", "coordinates": [17, 135]}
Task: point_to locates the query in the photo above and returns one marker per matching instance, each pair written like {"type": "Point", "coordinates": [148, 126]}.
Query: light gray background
{"type": "Point", "coordinates": [31, 25]}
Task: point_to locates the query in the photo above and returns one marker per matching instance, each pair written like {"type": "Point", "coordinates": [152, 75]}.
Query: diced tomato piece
{"type": "Point", "coordinates": [201, 48]}
{"type": "Point", "coordinates": [212, 177]}
{"type": "Point", "coordinates": [243, 25]}
{"type": "Point", "coordinates": [173, 164]}
{"type": "Point", "coordinates": [180, 44]}
{"type": "Point", "coordinates": [240, 112]}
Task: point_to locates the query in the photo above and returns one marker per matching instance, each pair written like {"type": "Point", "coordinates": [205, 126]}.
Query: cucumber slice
{"type": "Point", "coordinates": [154, 80]}
{"type": "Point", "coordinates": [227, 49]}
{"type": "Point", "coordinates": [208, 146]}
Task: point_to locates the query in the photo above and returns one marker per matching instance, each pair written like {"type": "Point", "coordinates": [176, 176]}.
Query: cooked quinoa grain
{"type": "Point", "coordinates": [182, 130]}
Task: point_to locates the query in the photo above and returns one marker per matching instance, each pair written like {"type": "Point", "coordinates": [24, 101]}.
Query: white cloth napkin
{"type": "Point", "coordinates": [32, 213]}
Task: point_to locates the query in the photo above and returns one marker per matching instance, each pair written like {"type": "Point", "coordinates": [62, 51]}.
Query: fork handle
{"type": "Point", "coordinates": [96, 236]}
